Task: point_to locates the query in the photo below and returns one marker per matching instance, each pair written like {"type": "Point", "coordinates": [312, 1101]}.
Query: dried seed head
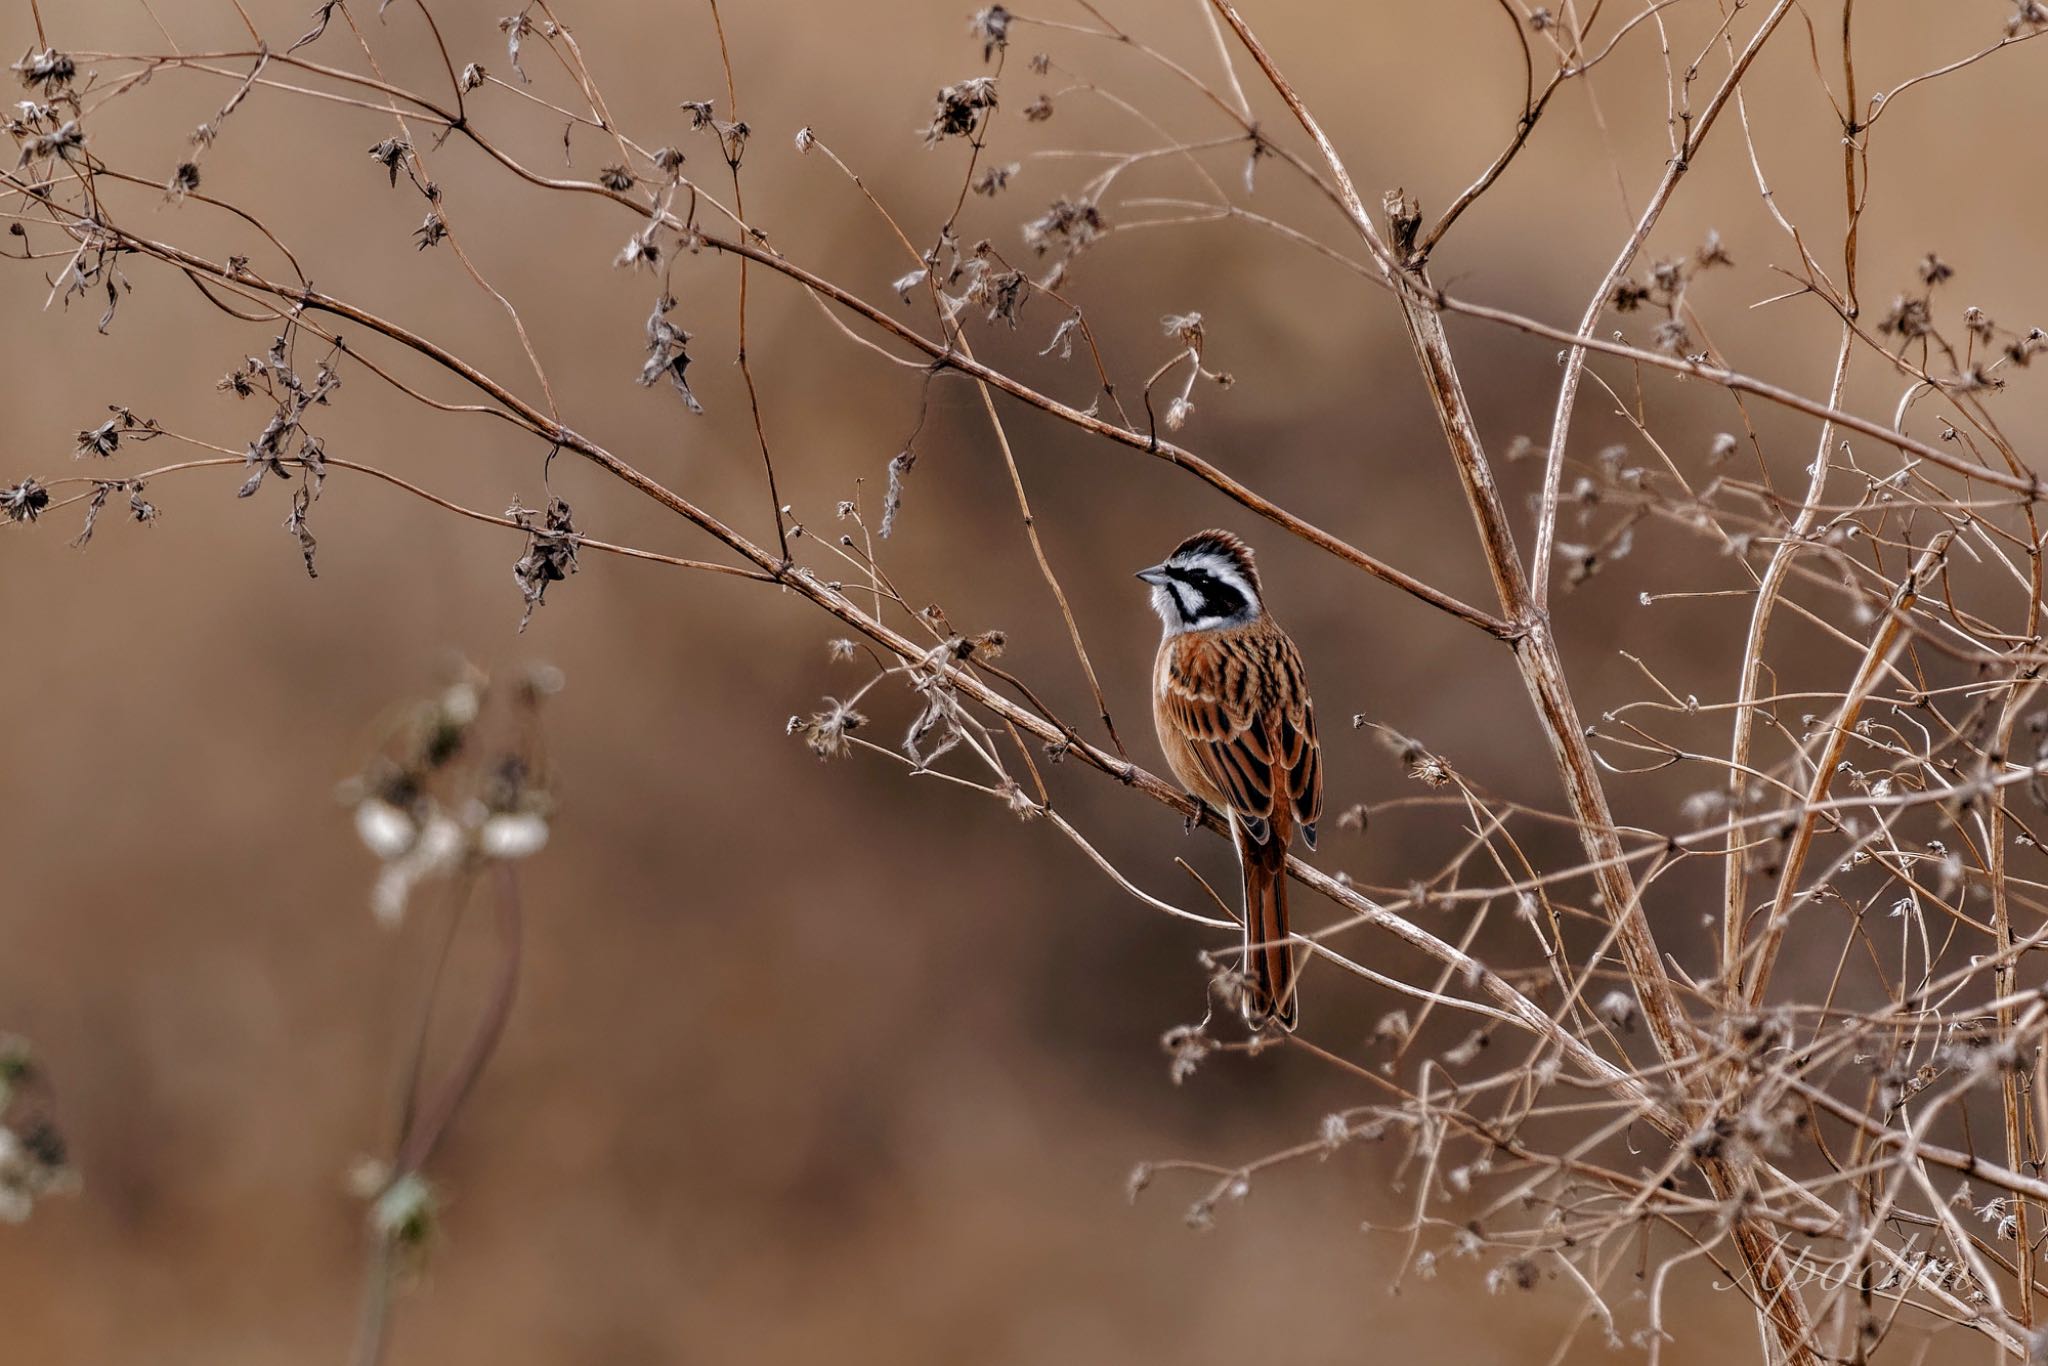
{"type": "Point", "coordinates": [992, 26]}
{"type": "Point", "coordinates": [1066, 227]}
{"type": "Point", "coordinates": [959, 109]}
{"type": "Point", "coordinates": [643, 248]}
{"type": "Point", "coordinates": [390, 154]}
{"type": "Point", "coordinates": [551, 545]}
{"type": "Point", "coordinates": [1618, 1009]}
{"type": "Point", "coordinates": [24, 502]}
{"type": "Point", "coordinates": [892, 501]}
{"type": "Point", "coordinates": [1673, 338]}
{"type": "Point", "coordinates": [66, 139]}
{"type": "Point", "coordinates": [52, 70]}
{"type": "Point", "coordinates": [516, 27]}
{"type": "Point", "coordinates": [825, 731]}
{"type": "Point", "coordinates": [1628, 296]}
{"type": "Point", "coordinates": [1426, 768]}
{"type": "Point", "coordinates": [668, 353]}
{"type": "Point", "coordinates": [102, 440]}
{"type": "Point", "coordinates": [1908, 317]}
{"type": "Point", "coordinates": [993, 180]}
{"type": "Point", "coordinates": [1186, 1046]}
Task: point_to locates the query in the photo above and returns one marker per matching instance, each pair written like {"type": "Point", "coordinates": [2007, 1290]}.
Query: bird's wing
{"type": "Point", "coordinates": [1243, 708]}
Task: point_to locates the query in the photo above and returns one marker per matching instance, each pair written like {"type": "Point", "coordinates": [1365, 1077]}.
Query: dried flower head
{"type": "Point", "coordinates": [63, 142]}
{"type": "Point", "coordinates": [959, 109]}
{"type": "Point", "coordinates": [892, 500]}
{"type": "Point", "coordinates": [1427, 768]}
{"type": "Point", "coordinates": [993, 180]}
{"type": "Point", "coordinates": [992, 26]}
{"type": "Point", "coordinates": [825, 732]}
{"type": "Point", "coordinates": [668, 353]}
{"type": "Point", "coordinates": [643, 248]}
{"type": "Point", "coordinates": [1628, 295]}
{"type": "Point", "coordinates": [551, 544]}
{"type": "Point", "coordinates": [1066, 227]}
{"type": "Point", "coordinates": [50, 69]}
{"type": "Point", "coordinates": [516, 27]}
{"type": "Point", "coordinates": [1908, 317]}
{"type": "Point", "coordinates": [391, 154]}
{"type": "Point", "coordinates": [1618, 1009]}
{"type": "Point", "coordinates": [1673, 338]}
{"type": "Point", "coordinates": [24, 502]}
{"type": "Point", "coordinates": [102, 440]}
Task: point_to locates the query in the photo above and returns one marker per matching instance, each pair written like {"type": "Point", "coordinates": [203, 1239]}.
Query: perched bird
{"type": "Point", "coordinates": [1234, 717]}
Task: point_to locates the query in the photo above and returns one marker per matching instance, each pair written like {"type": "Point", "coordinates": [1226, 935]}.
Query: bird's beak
{"type": "Point", "coordinates": [1156, 575]}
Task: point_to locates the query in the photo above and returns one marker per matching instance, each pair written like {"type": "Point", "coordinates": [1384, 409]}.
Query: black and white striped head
{"type": "Point", "coordinates": [1206, 584]}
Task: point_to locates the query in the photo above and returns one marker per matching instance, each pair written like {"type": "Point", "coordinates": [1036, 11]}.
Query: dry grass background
{"type": "Point", "coordinates": [808, 1061]}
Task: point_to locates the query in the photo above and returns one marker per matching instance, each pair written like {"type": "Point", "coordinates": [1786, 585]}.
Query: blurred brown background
{"type": "Point", "coordinates": [821, 1061]}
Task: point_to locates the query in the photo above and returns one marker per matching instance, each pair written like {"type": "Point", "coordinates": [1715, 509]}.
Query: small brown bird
{"type": "Point", "coordinates": [1239, 731]}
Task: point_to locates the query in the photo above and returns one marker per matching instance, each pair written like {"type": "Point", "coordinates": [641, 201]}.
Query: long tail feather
{"type": "Point", "coordinates": [1269, 957]}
